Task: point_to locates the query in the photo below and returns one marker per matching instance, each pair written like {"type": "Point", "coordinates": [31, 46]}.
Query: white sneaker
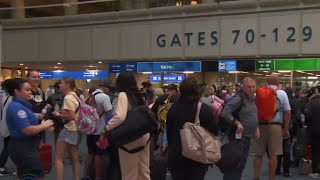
{"type": "Point", "coordinates": [314, 175]}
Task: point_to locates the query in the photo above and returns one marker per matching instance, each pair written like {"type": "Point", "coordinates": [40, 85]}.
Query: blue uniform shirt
{"type": "Point", "coordinates": [20, 116]}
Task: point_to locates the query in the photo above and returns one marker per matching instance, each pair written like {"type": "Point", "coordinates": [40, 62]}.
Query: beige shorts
{"type": "Point", "coordinates": [270, 140]}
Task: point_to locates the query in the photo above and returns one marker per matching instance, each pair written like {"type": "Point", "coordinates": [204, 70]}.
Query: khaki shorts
{"type": "Point", "coordinates": [270, 140]}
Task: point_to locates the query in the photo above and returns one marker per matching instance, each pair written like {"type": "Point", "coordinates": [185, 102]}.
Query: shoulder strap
{"type": "Point", "coordinates": [167, 101]}
{"type": "Point", "coordinates": [94, 94]}
{"type": "Point", "coordinates": [4, 104]}
{"type": "Point", "coordinates": [197, 120]}
{"type": "Point", "coordinates": [78, 99]}
{"type": "Point", "coordinates": [41, 94]}
{"type": "Point", "coordinates": [237, 111]}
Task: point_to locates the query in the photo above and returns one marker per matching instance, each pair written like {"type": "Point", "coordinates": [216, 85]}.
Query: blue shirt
{"type": "Point", "coordinates": [20, 116]}
{"type": "Point", "coordinates": [282, 106]}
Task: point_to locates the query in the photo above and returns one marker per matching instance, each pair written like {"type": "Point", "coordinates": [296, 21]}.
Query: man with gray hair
{"type": "Point", "coordinates": [241, 112]}
{"type": "Point", "coordinates": [272, 130]}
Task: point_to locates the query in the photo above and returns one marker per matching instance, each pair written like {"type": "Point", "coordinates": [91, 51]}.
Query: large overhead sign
{"type": "Point", "coordinates": [227, 65]}
{"type": "Point", "coordinates": [75, 75]}
{"type": "Point", "coordinates": [307, 64]}
{"type": "Point", "coordinates": [123, 67]}
{"type": "Point", "coordinates": [173, 66]}
{"type": "Point", "coordinates": [265, 34]}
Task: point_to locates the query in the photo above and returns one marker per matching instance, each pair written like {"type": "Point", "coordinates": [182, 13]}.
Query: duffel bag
{"type": "Point", "coordinates": [139, 121]}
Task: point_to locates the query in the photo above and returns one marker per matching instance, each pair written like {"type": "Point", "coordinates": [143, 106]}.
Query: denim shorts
{"type": "Point", "coordinates": [70, 137]}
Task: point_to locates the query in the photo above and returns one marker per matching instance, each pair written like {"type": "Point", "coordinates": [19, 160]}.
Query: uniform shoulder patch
{"type": "Point", "coordinates": [22, 114]}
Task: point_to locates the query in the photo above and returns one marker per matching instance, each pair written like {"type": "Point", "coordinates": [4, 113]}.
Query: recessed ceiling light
{"type": "Point", "coordinates": [58, 63]}
{"type": "Point", "coordinates": [56, 67]}
{"type": "Point", "coordinates": [21, 64]}
{"type": "Point", "coordinates": [91, 66]}
{"type": "Point", "coordinates": [100, 62]}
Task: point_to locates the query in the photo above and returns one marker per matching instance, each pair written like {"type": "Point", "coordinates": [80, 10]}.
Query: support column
{"type": "Point", "coordinates": [13, 73]}
{"type": "Point", "coordinates": [71, 9]}
{"type": "Point", "coordinates": [18, 12]}
{"type": "Point", "coordinates": [207, 1]}
{"type": "Point", "coordinates": [141, 4]}
{"type": "Point", "coordinates": [126, 5]}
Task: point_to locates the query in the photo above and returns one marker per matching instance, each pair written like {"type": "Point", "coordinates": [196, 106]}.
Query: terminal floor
{"type": "Point", "coordinates": [212, 174]}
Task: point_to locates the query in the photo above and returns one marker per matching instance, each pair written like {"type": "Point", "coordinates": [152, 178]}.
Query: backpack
{"type": "Point", "coordinates": [163, 111]}
{"type": "Point", "coordinates": [266, 100]}
{"type": "Point", "coordinates": [91, 100]}
{"type": "Point", "coordinates": [4, 131]}
{"type": "Point", "coordinates": [88, 119]}
{"type": "Point", "coordinates": [216, 108]}
{"type": "Point", "coordinates": [198, 144]}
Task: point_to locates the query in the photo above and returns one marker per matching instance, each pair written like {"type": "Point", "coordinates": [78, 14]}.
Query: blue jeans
{"type": "Point", "coordinates": [236, 172]}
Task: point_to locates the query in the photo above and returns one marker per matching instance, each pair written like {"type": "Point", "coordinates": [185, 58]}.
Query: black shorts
{"type": "Point", "coordinates": [92, 146]}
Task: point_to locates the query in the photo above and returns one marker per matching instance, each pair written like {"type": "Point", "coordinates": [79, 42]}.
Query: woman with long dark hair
{"type": "Point", "coordinates": [24, 131]}
{"type": "Point", "coordinates": [180, 113]}
{"type": "Point", "coordinates": [133, 166]}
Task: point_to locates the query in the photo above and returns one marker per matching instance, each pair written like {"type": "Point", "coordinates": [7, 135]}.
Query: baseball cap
{"type": "Point", "coordinates": [56, 84]}
{"type": "Point", "coordinates": [238, 84]}
{"type": "Point", "coordinates": [173, 87]}
{"type": "Point", "coordinates": [104, 84]}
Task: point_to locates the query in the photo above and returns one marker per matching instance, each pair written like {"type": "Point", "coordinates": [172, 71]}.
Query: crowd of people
{"type": "Point", "coordinates": [27, 113]}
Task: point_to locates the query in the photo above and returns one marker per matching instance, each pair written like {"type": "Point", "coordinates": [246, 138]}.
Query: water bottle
{"type": "Point", "coordinates": [56, 107]}
{"type": "Point", "coordinates": [238, 136]}
{"type": "Point", "coordinates": [45, 110]}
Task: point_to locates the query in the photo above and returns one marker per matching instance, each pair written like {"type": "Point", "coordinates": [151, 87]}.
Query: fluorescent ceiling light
{"type": "Point", "coordinates": [266, 71]}
{"type": "Point", "coordinates": [59, 63]}
{"type": "Point", "coordinates": [310, 74]}
{"type": "Point", "coordinates": [21, 64]}
{"type": "Point", "coordinates": [188, 72]}
{"type": "Point", "coordinates": [284, 71]}
{"type": "Point", "coordinates": [99, 62]}
{"type": "Point", "coordinates": [233, 72]}
{"type": "Point", "coordinates": [147, 73]}
{"type": "Point", "coordinates": [58, 71]}
{"type": "Point", "coordinates": [300, 71]}
{"type": "Point", "coordinates": [313, 77]}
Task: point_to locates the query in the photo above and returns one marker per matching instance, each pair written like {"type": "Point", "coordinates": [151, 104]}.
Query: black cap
{"type": "Point", "coordinates": [238, 84]}
{"type": "Point", "coordinates": [56, 84]}
{"type": "Point", "coordinates": [173, 87]}
{"type": "Point", "coordinates": [104, 84]}
{"type": "Point", "coordinates": [146, 84]}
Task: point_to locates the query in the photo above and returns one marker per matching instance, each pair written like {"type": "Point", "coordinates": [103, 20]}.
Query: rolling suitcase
{"type": "Point", "coordinates": [45, 152]}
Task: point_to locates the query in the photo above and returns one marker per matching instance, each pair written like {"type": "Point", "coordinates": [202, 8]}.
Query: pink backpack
{"type": "Point", "coordinates": [216, 109]}
{"type": "Point", "coordinates": [88, 119]}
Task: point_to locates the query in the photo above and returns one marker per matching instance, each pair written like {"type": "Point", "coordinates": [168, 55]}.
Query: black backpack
{"type": "Point", "coordinates": [226, 128]}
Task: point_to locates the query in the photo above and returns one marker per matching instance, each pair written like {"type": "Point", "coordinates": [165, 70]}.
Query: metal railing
{"type": "Point", "coordinates": [94, 6]}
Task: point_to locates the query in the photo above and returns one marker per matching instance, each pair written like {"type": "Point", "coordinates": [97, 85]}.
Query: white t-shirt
{"type": "Point", "coordinates": [103, 104]}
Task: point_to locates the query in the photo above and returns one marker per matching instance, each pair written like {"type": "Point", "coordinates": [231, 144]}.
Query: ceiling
{"type": "Point", "coordinates": [54, 66]}
{"type": "Point", "coordinates": [87, 8]}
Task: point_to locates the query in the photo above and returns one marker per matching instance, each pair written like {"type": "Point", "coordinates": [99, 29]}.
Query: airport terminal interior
{"type": "Point", "coordinates": [219, 42]}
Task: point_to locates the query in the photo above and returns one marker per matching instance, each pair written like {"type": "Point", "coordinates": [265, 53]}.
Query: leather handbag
{"type": "Point", "coordinates": [198, 144]}
{"type": "Point", "coordinates": [139, 122]}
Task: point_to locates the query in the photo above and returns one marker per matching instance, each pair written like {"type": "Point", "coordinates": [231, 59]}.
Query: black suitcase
{"type": "Point", "coordinates": [158, 170]}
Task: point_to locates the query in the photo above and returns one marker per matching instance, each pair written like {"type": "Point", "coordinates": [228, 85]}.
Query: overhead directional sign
{"type": "Point", "coordinates": [173, 77]}
{"type": "Point", "coordinates": [75, 75]}
{"type": "Point", "coordinates": [265, 65]}
{"type": "Point", "coordinates": [227, 65]}
{"type": "Point", "coordinates": [172, 66]}
{"type": "Point", "coordinates": [123, 67]}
